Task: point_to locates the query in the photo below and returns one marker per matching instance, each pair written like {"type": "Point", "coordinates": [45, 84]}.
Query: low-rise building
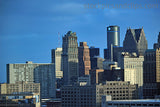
{"type": "Point", "coordinates": [20, 99]}
{"type": "Point", "coordinates": [90, 96]}
{"type": "Point", "coordinates": [19, 87]}
{"type": "Point", "coordinates": [108, 102]}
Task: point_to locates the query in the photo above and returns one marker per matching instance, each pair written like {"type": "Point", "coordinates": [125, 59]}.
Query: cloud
{"type": "Point", "coordinates": [68, 8]}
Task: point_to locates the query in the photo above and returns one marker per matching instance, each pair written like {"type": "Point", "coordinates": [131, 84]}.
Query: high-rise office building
{"type": "Point", "coordinates": [84, 59]}
{"type": "Point", "coordinates": [135, 41]}
{"type": "Point", "coordinates": [157, 45]}
{"type": "Point", "coordinates": [113, 42]}
{"type": "Point", "coordinates": [113, 36]}
{"type": "Point", "coordinates": [133, 69]}
{"type": "Point", "coordinates": [151, 73]}
{"type": "Point", "coordinates": [57, 60]}
{"type": "Point", "coordinates": [34, 72]}
{"type": "Point", "coordinates": [70, 58]}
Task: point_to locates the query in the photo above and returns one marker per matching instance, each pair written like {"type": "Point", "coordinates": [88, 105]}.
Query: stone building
{"type": "Point", "coordinates": [90, 96]}
{"type": "Point", "coordinates": [70, 58]}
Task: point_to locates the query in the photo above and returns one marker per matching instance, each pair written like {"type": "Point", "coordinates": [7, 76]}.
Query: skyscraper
{"type": "Point", "coordinates": [157, 45]}
{"type": "Point", "coordinates": [135, 41]}
{"type": "Point", "coordinates": [84, 59]}
{"type": "Point", "coordinates": [133, 69]}
{"type": "Point", "coordinates": [70, 58]}
{"type": "Point", "coordinates": [113, 36]}
{"type": "Point", "coordinates": [151, 73]}
{"type": "Point", "coordinates": [113, 41]}
{"type": "Point", "coordinates": [57, 60]}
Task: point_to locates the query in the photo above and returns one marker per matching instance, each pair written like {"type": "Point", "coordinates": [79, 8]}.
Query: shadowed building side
{"type": "Point", "coordinates": [135, 41]}
{"type": "Point", "coordinates": [70, 58]}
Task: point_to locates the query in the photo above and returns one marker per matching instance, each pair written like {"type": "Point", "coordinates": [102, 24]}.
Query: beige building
{"type": "Point", "coordinates": [34, 72]}
{"type": "Point", "coordinates": [90, 96]}
{"type": "Point", "coordinates": [19, 87]}
{"type": "Point", "coordinates": [57, 60]}
{"type": "Point", "coordinates": [133, 69]}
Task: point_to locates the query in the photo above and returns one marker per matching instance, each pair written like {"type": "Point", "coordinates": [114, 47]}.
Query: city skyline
{"type": "Point", "coordinates": [29, 30]}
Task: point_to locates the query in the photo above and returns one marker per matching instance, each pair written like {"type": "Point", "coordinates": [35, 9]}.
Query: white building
{"type": "Point", "coordinates": [133, 69]}
{"type": "Point", "coordinates": [57, 60]}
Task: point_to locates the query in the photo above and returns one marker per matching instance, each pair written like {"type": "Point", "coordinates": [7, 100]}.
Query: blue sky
{"type": "Point", "coordinates": [29, 28]}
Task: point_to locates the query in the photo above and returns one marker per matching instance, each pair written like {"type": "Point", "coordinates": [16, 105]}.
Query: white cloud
{"type": "Point", "coordinates": [68, 8]}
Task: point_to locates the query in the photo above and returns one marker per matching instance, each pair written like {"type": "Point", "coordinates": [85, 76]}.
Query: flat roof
{"type": "Point", "coordinates": [139, 100]}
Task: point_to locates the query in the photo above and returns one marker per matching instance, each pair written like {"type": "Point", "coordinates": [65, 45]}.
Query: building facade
{"type": "Point", "coordinates": [151, 73]}
{"type": "Point", "coordinates": [93, 51]}
{"type": "Point", "coordinates": [97, 62]}
{"type": "Point", "coordinates": [96, 76]}
{"type": "Point", "coordinates": [133, 69]}
{"type": "Point", "coordinates": [34, 72]}
{"type": "Point", "coordinates": [57, 60]}
{"type": "Point", "coordinates": [19, 87]}
{"type": "Point", "coordinates": [20, 99]}
{"type": "Point", "coordinates": [70, 58]}
{"type": "Point", "coordinates": [90, 96]}
{"type": "Point", "coordinates": [108, 102]}
{"type": "Point", "coordinates": [135, 41]}
{"type": "Point", "coordinates": [84, 59]}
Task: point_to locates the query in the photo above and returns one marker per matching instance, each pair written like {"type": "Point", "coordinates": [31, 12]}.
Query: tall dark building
{"type": "Point", "coordinates": [135, 41]}
{"type": "Point", "coordinates": [84, 59]}
{"type": "Point", "coordinates": [70, 58]}
{"type": "Point", "coordinates": [97, 62]}
{"type": "Point", "coordinates": [93, 51]}
{"type": "Point", "coordinates": [157, 45]}
{"type": "Point", "coordinates": [115, 51]}
{"type": "Point", "coordinates": [113, 42]}
{"type": "Point", "coordinates": [151, 73]}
